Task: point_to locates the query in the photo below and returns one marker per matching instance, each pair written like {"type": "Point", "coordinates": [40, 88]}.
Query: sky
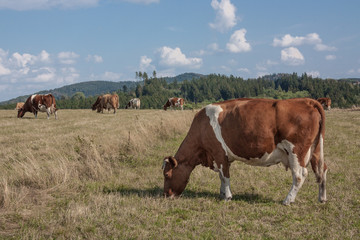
{"type": "Point", "coordinates": [46, 44]}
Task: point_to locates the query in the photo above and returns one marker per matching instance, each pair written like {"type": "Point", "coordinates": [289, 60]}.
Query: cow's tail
{"type": "Point", "coordinates": [317, 160]}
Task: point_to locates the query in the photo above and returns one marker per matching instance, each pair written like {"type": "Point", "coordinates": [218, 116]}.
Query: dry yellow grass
{"type": "Point", "coordinates": [92, 176]}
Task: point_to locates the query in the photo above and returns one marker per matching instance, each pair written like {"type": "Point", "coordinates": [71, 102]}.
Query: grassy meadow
{"type": "Point", "coordinates": [98, 176]}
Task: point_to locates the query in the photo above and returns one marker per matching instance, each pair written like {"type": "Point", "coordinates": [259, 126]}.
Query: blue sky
{"type": "Point", "coordinates": [45, 44]}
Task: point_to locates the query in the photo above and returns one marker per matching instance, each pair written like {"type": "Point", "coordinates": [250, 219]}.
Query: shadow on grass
{"type": "Point", "coordinates": [157, 192]}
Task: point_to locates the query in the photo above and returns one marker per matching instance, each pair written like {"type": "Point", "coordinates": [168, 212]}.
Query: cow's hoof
{"type": "Point", "coordinates": [286, 203]}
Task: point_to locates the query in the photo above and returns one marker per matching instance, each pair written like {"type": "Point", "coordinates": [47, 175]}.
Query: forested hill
{"type": "Point", "coordinates": [94, 88]}
{"type": "Point", "coordinates": [198, 90]}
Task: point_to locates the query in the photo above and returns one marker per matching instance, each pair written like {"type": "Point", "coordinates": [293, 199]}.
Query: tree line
{"type": "Point", "coordinates": [154, 91]}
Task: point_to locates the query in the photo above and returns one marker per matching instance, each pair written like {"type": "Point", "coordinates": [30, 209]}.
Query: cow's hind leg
{"type": "Point", "coordinates": [299, 174]}
{"type": "Point", "coordinates": [48, 111]}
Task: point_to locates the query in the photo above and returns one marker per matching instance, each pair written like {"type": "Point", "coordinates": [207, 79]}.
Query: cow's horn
{"type": "Point", "coordinates": [173, 161]}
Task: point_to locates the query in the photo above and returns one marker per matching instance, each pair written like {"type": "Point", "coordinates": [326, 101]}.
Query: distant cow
{"type": "Point", "coordinates": [258, 132]}
{"type": "Point", "coordinates": [174, 102]}
{"type": "Point", "coordinates": [19, 105]}
{"type": "Point", "coordinates": [35, 103]}
{"type": "Point", "coordinates": [106, 101]}
{"type": "Point", "coordinates": [325, 102]}
{"type": "Point", "coordinates": [133, 103]}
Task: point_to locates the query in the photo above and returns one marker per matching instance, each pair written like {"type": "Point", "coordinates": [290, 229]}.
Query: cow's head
{"type": "Point", "coordinates": [21, 112]}
{"type": "Point", "coordinates": [175, 178]}
{"type": "Point", "coordinates": [328, 104]}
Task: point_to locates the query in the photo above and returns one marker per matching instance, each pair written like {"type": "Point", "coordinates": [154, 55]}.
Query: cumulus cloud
{"type": "Point", "coordinates": [4, 70]}
{"type": "Point", "coordinates": [314, 74]}
{"type": "Point", "coordinates": [24, 5]}
{"type": "Point", "coordinates": [310, 39]}
{"type": "Point", "coordinates": [292, 56]}
{"type": "Point", "coordinates": [94, 58]}
{"type": "Point", "coordinates": [145, 63]}
{"type": "Point", "coordinates": [25, 73]}
{"type": "Point", "coordinates": [175, 58]}
{"type": "Point", "coordinates": [330, 57]}
{"type": "Point", "coordinates": [67, 57]}
{"type": "Point", "coordinates": [225, 15]}
{"type": "Point", "coordinates": [244, 70]}
{"type": "Point", "coordinates": [238, 42]}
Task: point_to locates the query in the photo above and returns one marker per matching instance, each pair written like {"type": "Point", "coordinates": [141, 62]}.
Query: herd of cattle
{"type": "Point", "coordinates": [259, 132]}
{"type": "Point", "coordinates": [46, 103]}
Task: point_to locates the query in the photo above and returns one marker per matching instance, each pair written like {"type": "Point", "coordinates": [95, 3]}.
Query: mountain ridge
{"type": "Point", "coordinates": [97, 87]}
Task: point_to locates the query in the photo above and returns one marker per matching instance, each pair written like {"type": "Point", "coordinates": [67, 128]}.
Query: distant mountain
{"type": "Point", "coordinates": [92, 88]}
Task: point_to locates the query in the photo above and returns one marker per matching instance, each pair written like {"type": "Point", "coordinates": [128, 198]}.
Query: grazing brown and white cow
{"type": "Point", "coordinates": [258, 132]}
{"type": "Point", "coordinates": [325, 102]}
{"type": "Point", "coordinates": [106, 101]}
{"type": "Point", "coordinates": [133, 103]}
{"type": "Point", "coordinates": [174, 102]}
{"type": "Point", "coordinates": [37, 102]}
{"type": "Point", "coordinates": [19, 105]}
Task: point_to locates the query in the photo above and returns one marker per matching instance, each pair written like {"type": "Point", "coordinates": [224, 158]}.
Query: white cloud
{"type": "Point", "coordinates": [225, 15]}
{"type": "Point", "coordinates": [175, 58]}
{"type": "Point", "coordinates": [245, 70]}
{"type": "Point", "coordinates": [292, 56]}
{"type": "Point", "coordinates": [22, 60]}
{"type": "Point", "coordinates": [330, 57]}
{"type": "Point", "coordinates": [25, 73]}
{"type": "Point", "coordinates": [271, 63]}
{"type": "Point", "coordinates": [314, 74]}
{"type": "Point", "coordinates": [23, 5]}
{"type": "Point", "coordinates": [94, 58]}
{"type": "Point", "coordinates": [145, 63]}
{"type": "Point", "coordinates": [44, 56]}
{"type": "Point", "coordinates": [4, 70]}
{"type": "Point", "coordinates": [310, 39]}
{"type": "Point", "coordinates": [67, 57]}
{"type": "Point", "coordinates": [44, 75]}
{"type": "Point", "coordinates": [238, 43]}
{"type": "Point", "coordinates": [288, 40]}
{"type": "Point", "coordinates": [322, 47]}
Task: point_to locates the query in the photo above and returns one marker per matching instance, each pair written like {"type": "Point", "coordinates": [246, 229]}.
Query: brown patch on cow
{"type": "Point", "coordinates": [106, 101]}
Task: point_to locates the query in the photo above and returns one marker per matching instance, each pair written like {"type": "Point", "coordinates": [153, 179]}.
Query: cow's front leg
{"type": "Point", "coordinates": [224, 175]}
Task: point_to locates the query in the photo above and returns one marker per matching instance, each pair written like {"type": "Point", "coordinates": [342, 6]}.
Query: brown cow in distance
{"type": "Point", "coordinates": [37, 102]}
{"type": "Point", "coordinates": [174, 102]}
{"type": "Point", "coordinates": [258, 132]}
{"type": "Point", "coordinates": [19, 105]}
{"type": "Point", "coordinates": [325, 102]}
{"type": "Point", "coordinates": [106, 101]}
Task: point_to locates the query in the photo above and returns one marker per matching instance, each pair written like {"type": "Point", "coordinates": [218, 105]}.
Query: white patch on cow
{"type": "Point", "coordinates": [213, 112]}
{"type": "Point", "coordinates": [42, 108]}
{"type": "Point", "coordinates": [32, 98]}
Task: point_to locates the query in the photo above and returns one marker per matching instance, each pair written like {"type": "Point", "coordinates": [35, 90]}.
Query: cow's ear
{"type": "Point", "coordinates": [173, 161]}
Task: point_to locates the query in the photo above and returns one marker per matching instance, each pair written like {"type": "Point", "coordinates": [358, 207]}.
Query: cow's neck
{"type": "Point", "coordinates": [188, 154]}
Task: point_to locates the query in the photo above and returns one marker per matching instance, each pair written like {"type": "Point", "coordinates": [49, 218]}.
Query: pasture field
{"type": "Point", "coordinates": [98, 176]}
